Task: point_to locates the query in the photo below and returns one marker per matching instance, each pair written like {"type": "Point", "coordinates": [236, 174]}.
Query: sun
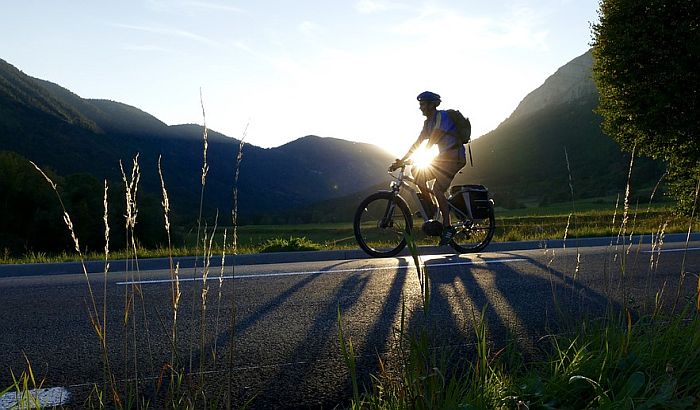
{"type": "Point", "coordinates": [423, 156]}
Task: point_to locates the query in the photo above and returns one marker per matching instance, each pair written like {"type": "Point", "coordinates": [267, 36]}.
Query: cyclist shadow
{"type": "Point", "coordinates": [321, 345]}
{"type": "Point", "coordinates": [521, 305]}
{"type": "Point", "coordinates": [521, 302]}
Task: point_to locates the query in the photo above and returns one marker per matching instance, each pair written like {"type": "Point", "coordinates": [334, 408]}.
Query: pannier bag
{"type": "Point", "coordinates": [473, 200]}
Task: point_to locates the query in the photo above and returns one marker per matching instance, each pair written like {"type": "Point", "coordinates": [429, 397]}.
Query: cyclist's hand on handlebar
{"type": "Point", "coordinates": [396, 165]}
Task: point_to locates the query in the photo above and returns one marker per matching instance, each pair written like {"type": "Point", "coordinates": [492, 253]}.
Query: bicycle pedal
{"type": "Point", "coordinates": [432, 228]}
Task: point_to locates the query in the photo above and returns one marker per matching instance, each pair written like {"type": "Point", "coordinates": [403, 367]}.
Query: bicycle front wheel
{"type": "Point", "coordinates": [380, 223]}
{"type": "Point", "coordinates": [472, 235]}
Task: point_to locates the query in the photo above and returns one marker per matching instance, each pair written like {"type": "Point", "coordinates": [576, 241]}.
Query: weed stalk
{"type": "Point", "coordinates": [234, 251]}
{"type": "Point", "coordinates": [687, 240]}
{"type": "Point", "coordinates": [98, 325]}
{"type": "Point", "coordinates": [203, 182]}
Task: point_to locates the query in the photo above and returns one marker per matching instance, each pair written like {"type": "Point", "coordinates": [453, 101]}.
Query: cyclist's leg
{"type": "Point", "coordinates": [438, 190]}
{"type": "Point", "coordinates": [422, 177]}
{"type": "Point", "coordinates": [442, 183]}
{"type": "Point", "coordinates": [445, 172]}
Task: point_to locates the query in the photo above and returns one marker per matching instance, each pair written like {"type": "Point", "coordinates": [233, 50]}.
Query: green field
{"type": "Point", "coordinates": [591, 218]}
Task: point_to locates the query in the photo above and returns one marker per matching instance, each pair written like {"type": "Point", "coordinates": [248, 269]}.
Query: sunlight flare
{"type": "Point", "coordinates": [423, 156]}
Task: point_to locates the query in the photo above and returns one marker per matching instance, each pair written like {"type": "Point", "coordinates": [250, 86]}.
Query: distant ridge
{"type": "Point", "coordinates": [21, 89]}
{"type": "Point", "coordinates": [525, 157]}
{"type": "Point", "coordinates": [58, 129]}
{"type": "Point", "coordinates": [571, 83]}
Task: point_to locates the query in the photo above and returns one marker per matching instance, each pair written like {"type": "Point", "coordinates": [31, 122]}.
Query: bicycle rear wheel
{"type": "Point", "coordinates": [472, 235]}
{"type": "Point", "coordinates": [380, 223]}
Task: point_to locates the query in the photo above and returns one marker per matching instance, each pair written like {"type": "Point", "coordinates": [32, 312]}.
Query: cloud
{"type": "Point", "coordinates": [169, 5]}
{"type": "Point", "coordinates": [370, 6]}
{"type": "Point", "coordinates": [520, 28]}
{"type": "Point", "coordinates": [167, 31]}
{"type": "Point", "coordinates": [309, 28]}
{"type": "Point", "coordinates": [149, 48]}
{"type": "Point", "coordinates": [377, 6]}
{"type": "Point", "coordinates": [283, 63]}
{"type": "Point", "coordinates": [212, 6]}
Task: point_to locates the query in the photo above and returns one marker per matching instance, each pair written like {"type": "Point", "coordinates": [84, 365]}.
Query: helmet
{"type": "Point", "coordinates": [428, 96]}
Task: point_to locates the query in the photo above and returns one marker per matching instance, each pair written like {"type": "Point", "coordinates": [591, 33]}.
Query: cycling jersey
{"type": "Point", "coordinates": [441, 131]}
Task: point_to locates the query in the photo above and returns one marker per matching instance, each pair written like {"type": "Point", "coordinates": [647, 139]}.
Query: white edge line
{"type": "Point", "coordinates": [317, 272]}
{"type": "Point", "coordinates": [673, 250]}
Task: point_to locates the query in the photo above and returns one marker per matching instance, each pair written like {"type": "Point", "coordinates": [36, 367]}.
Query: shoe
{"type": "Point", "coordinates": [447, 234]}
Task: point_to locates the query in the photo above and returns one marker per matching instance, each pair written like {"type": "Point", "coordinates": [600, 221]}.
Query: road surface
{"type": "Point", "coordinates": [285, 344]}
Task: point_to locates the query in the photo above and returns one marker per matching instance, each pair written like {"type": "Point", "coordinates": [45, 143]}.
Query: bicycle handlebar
{"type": "Point", "coordinates": [400, 164]}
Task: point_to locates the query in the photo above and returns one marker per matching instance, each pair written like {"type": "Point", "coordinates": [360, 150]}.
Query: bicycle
{"type": "Point", "coordinates": [383, 219]}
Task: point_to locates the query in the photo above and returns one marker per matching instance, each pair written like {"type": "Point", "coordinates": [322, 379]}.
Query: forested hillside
{"type": "Point", "coordinates": [526, 157]}
{"type": "Point", "coordinates": [58, 129]}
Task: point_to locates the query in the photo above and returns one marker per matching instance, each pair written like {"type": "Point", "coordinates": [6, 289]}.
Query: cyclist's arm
{"type": "Point", "coordinates": [415, 146]}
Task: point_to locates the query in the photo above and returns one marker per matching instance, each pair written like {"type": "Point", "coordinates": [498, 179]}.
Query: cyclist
{"type": "Point", "coordinates": [440, 130]}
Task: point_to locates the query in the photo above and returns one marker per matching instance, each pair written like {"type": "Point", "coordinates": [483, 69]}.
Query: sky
{"type": "Point", "coordinates": [286, 69]}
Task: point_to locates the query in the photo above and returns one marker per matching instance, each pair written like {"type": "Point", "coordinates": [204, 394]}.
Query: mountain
{"type": "Point", "coordinates": [525, 157]}
{"type": "Point", "coordinates": [108, 116]}
{"type": "Point", "coordinates": [553, 134]}
{"type": "Point", "coordinates": [570, 83]}
{"type": "Point", "coordinates": [60, 130]}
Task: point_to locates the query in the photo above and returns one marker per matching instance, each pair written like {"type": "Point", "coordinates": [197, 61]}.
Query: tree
{"type": "Point", "coordinates": [31, 219]}
{"type": "Point", "coordinates": [646, 59]}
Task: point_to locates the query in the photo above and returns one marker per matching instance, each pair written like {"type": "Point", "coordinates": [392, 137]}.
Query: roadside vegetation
{"type": "Point", "coordinates": [594, 219]}
{"type": "Point", "coordinates": [644, 354]}
{"type": "Point", "coordinates": [207, 308]}
{"type": "Point", "coordinates": [608, 364]}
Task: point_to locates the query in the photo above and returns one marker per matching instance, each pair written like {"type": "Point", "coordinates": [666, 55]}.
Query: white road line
{"type": "Point", "coordinates": [55, 396]}
{"type": "Point", "coordinates": [60, 396]}
{"type": "Point", "coordinates": [319, 272]}
{"type": "Point", "coordinates": [673, 250]}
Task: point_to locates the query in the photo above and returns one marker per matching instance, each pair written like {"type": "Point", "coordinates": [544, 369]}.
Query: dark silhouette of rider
{"type": "Point", "coordinates": [440, 130]}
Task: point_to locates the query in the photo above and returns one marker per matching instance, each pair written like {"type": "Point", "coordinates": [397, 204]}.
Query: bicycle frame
{"type": "Point", "coordinates": [403, 179]}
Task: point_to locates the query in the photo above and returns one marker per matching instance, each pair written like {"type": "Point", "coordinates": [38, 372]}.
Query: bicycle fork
{"type": "Point", "coordinates": [387, 220]}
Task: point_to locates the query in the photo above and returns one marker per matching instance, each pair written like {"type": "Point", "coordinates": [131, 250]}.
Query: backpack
{"type": "Point", "coordinates": [464, 130]}
{"type": "Point", "coordinates": [464, 127]}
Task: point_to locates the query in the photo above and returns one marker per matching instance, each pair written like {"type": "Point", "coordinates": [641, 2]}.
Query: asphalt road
{"type": "Point", "coordinates": [285, 347]}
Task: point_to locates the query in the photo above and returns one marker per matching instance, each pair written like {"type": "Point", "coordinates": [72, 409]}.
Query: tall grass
{"type": "Point", "coordinates": [423, 275]}
{"type": "Point", "coordinates": [179, 383]}
{"type": "Point", "coordinates": [203, 182]}
{"type": "Point", "coordinates": [174, 270]}
{"type": "Point", "coordinates": [22, 394]}
{"type": "Point", "coordinates": [99, 324]}
{"type": "Point", "coordinates": [690, 225]}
